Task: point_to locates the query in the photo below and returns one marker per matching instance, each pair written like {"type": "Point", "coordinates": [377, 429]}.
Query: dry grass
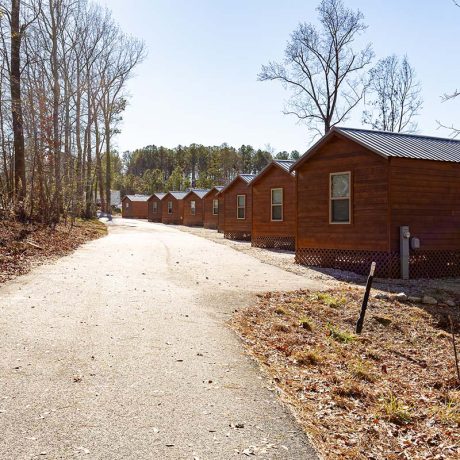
{"type": "Point", "coordinates": [388, 393]}
{"type": "Point", "coordinates": [24, 245]}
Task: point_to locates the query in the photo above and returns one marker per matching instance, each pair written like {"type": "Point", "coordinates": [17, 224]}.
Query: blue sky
{"type": "Point", "coordinates": [199, 81]}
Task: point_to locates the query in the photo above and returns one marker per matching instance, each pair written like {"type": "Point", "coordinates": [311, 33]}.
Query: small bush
{"type": "Point", "coordinates": [394, 410]}
{"type": "Point", "coordinates": [350, 389]}
{"type": "Point", "coordinates": [340, 336]}
{"type": "Point", "coordinates": [330, 300]}
{"type": "Point", "coordinates": [307, 358]}
{"type": "Point", "coordinates": [281, 311]}
{"type": "Point", "coordinates": [363, 371]}
{"type": "Point", "coordinates": [306, 323]}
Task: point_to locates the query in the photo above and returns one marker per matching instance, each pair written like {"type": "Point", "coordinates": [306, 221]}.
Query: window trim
{"type": "Point", "coordinates": [155, 207]}
{"type": "Point", "coordinates": [281, 205]}
{"type": "Point", "coordinates": [215, 209]}
{"type": "Point", "coordinates": [193, 207]}
{"type": "Point", "coordinates": [349, 198]}
{"type": "Point", "coordinates": [241, 207]}
{"type": "Point", "coordinates": [127, 204]}
{"type": "Point", "coordinates": [170, 207]}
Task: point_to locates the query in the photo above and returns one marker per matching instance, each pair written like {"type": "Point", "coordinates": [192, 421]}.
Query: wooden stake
{"type": "Point", "coordinates": [359, 324]}
{"type": "Point", "coordinates": [455, 348]}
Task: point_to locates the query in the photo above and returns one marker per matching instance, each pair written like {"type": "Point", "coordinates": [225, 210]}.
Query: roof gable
{"type": "Point", "coordinates": [388, 144]}
{"type": "Point", "coordinates": [200, 193]}
{"type": "Point", "coordinates": [245, 178]}
{"type": "Point", "coordinates": [136, 197]}
{"type": "Point", "coordinates": [216, 188]}
{"type": "Point", "coordinates": [283, 165]}
{"type": "Point", "coordinates": [176, 195]}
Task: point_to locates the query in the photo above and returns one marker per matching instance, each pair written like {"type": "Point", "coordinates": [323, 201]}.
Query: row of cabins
{"type": "Point", "coordinates": [354, 197]}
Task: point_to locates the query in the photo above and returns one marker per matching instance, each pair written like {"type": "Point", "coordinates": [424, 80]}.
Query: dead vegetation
{"type": "Point", "coordinates": [25, 245]}
{"type": "Point", "coordinates": [389, 393]}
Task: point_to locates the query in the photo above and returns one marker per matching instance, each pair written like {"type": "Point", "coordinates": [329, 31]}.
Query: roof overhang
{"type": "Point", "coordinates": [334, 131]}
{"type": "Point", "coordinates": [267, 168]}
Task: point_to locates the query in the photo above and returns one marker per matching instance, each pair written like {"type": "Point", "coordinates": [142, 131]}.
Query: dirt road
{"type": "Point", "coordinates": [121, 351]}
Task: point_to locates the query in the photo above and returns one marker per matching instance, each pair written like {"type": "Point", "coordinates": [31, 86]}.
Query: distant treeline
{"type": "Point", "coordinates": [155, 169]}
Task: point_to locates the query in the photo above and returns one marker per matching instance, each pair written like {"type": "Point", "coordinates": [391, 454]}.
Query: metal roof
{"type": "Point", "coordinates": [247, 177]}
{"type": "Point", "coordinates": [160, 196]}
{"type": "Point", "coordinates": [219, 188]}
{"type": "Point", "coordinates": [389, 144]}
{"type": "Point", "coordinates": [200, 193]}
{"type": "Point", "coordinates": [137, 197]}
{"type": "Point", "coordinates": [285, 164]}
{"type": "Point", "coordinates": [177, 195]}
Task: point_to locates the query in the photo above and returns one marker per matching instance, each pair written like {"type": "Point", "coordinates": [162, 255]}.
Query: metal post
{"type": "Point", "coordinates": [359, 324]}
{"type": "Point", "coordinates": [404, 238]}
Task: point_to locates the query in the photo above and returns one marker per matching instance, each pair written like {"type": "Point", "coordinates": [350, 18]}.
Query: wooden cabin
{"type": "Point", "coordinates": [237, 208]}
{"type": "Point", "coordinates": [274, 206]}
{"type": "Point", "coordinates": [172, 208]}
{"type": "Point", "coordinates": [211, 208]}
{"type": "Point", "coordinates": [134, 206]}
{"type": "Point", "coordinates": [220, 217]}
{"type": "Point", "coordinates": [154, 207]}
{"type": "Point", "coordinates": [194, 208]}
{"type": "Point", "coordinates": [365, 196]}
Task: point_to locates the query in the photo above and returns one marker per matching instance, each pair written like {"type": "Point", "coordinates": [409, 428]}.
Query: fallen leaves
{"type": "Point", "coordinates": [388, 393]}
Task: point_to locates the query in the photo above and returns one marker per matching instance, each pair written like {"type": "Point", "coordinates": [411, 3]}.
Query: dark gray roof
{"type": "Point", "coordinates": [247, 177]}
{"type": "Point", "coordinates": [199, 192]}
{"type": "Point", "coordinates": [137, 197]}
{"type": "Point", "coordinates": [178, 195]}
{"type": "Point", "coordinates": [405, 145]}
{"type": "Point", "coordinates": [285, 164]}
{"type": "Point", "coordinates": [219, 188]}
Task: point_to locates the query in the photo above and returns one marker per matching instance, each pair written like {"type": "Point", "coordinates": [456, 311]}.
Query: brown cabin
{"type": "Point", "coordinates": [154, 207]}
{"type": "Point", "coordinates": [237, 208]}
{"type": "Point", "coordinates": [211, 208]}
{"type": "Point", "coordinates": [194, 208]}
{"type": "Point", "coordinates": [220, 219]}
{"type": "Point", "coordinates": [134, 207]}
{"type": "Point", "coordinates": [172, 208]}
{"type": "Point", "coordinates": [365, 196]}
{"type": "Point", "coordinates": [274, 206]}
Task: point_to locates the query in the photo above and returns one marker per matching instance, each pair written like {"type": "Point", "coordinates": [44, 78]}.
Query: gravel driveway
{"type": "Point", "coordinates": [121, 351]}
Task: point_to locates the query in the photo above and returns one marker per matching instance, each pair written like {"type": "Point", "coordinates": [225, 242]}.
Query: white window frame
{"type": "Point", "coordinates": [215, 207]}
{"type": "Point", "coordinates": [280, 205]}
{"type": "Point", "coordinates": [155, 207]}
{"type": "Point", "coordinates": [170, 207]}
{"type": "Point", "coordinates": [331, 198]}
{"type": "Point", "coordinates": [193, 207]}
{"type": "Point", "coordinates": [127, 205]}
{"type": "Point", "coordinates": [238, 207]}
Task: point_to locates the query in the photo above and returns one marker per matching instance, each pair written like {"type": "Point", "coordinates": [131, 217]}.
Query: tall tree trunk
{"type": "Point", "coordinates": [108, 167]}
{"type": "Point", "coordinates": [16, 107]}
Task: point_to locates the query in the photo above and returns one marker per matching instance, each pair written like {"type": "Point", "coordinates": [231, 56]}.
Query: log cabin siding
{"type": "Point", "coordinates": [134, 209]}
{"type": "Point", "coordinates": [234, 228]}
{"type": "Point", "coordinates": [154, 216]}
{"type": "Point", "coordinates": [262, 223]}
{"type": "Point", "coordinates": [210, 220]}
{"type": "Point", "coordinates": [369, 229]}
{"type": "Point", "coordinates": [177, 216]}
{"type": "Point", "coordinates": [189, 219]}
{"type": "Point", "coordinates": [425, 195]}
{"type": "Point", "coordinates": [220, 218]}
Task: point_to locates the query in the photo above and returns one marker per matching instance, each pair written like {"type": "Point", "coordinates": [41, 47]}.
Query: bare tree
{"type": "Point", "coordinates": [395, 96]}
{"type": "Point", "coordinates": [321, 68]}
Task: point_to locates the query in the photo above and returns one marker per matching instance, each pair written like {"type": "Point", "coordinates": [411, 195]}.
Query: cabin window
{"type": "Point", "coordinates": [241, 206]}
{"type": "Point", "coordinates": [215, 207]}
{"type": "Point", "coordinates": [154, 207]}
{"type": "Point", "coordinates": [192, 207]}
{"type": "Point", "coordinates": [169, 207]}
{"type": "Point", "coordinates": [340, 198]}
{"type": "Point", "coordinates": [277, 204]}
{"type": "Point", "coordinates": [127, 205]}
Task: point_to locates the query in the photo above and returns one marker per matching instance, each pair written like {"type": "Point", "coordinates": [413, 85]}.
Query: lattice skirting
{"type": "Point", "coordinates": [276, 242]}
{"type": "Point", "coordinates": [434, 264]}
{"type": "Point", "coordinates": [243, 236]}
{"type": "Point", "coordinates": [422, 264]}
{"type": "Point", "coordinates": [387, 264]}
